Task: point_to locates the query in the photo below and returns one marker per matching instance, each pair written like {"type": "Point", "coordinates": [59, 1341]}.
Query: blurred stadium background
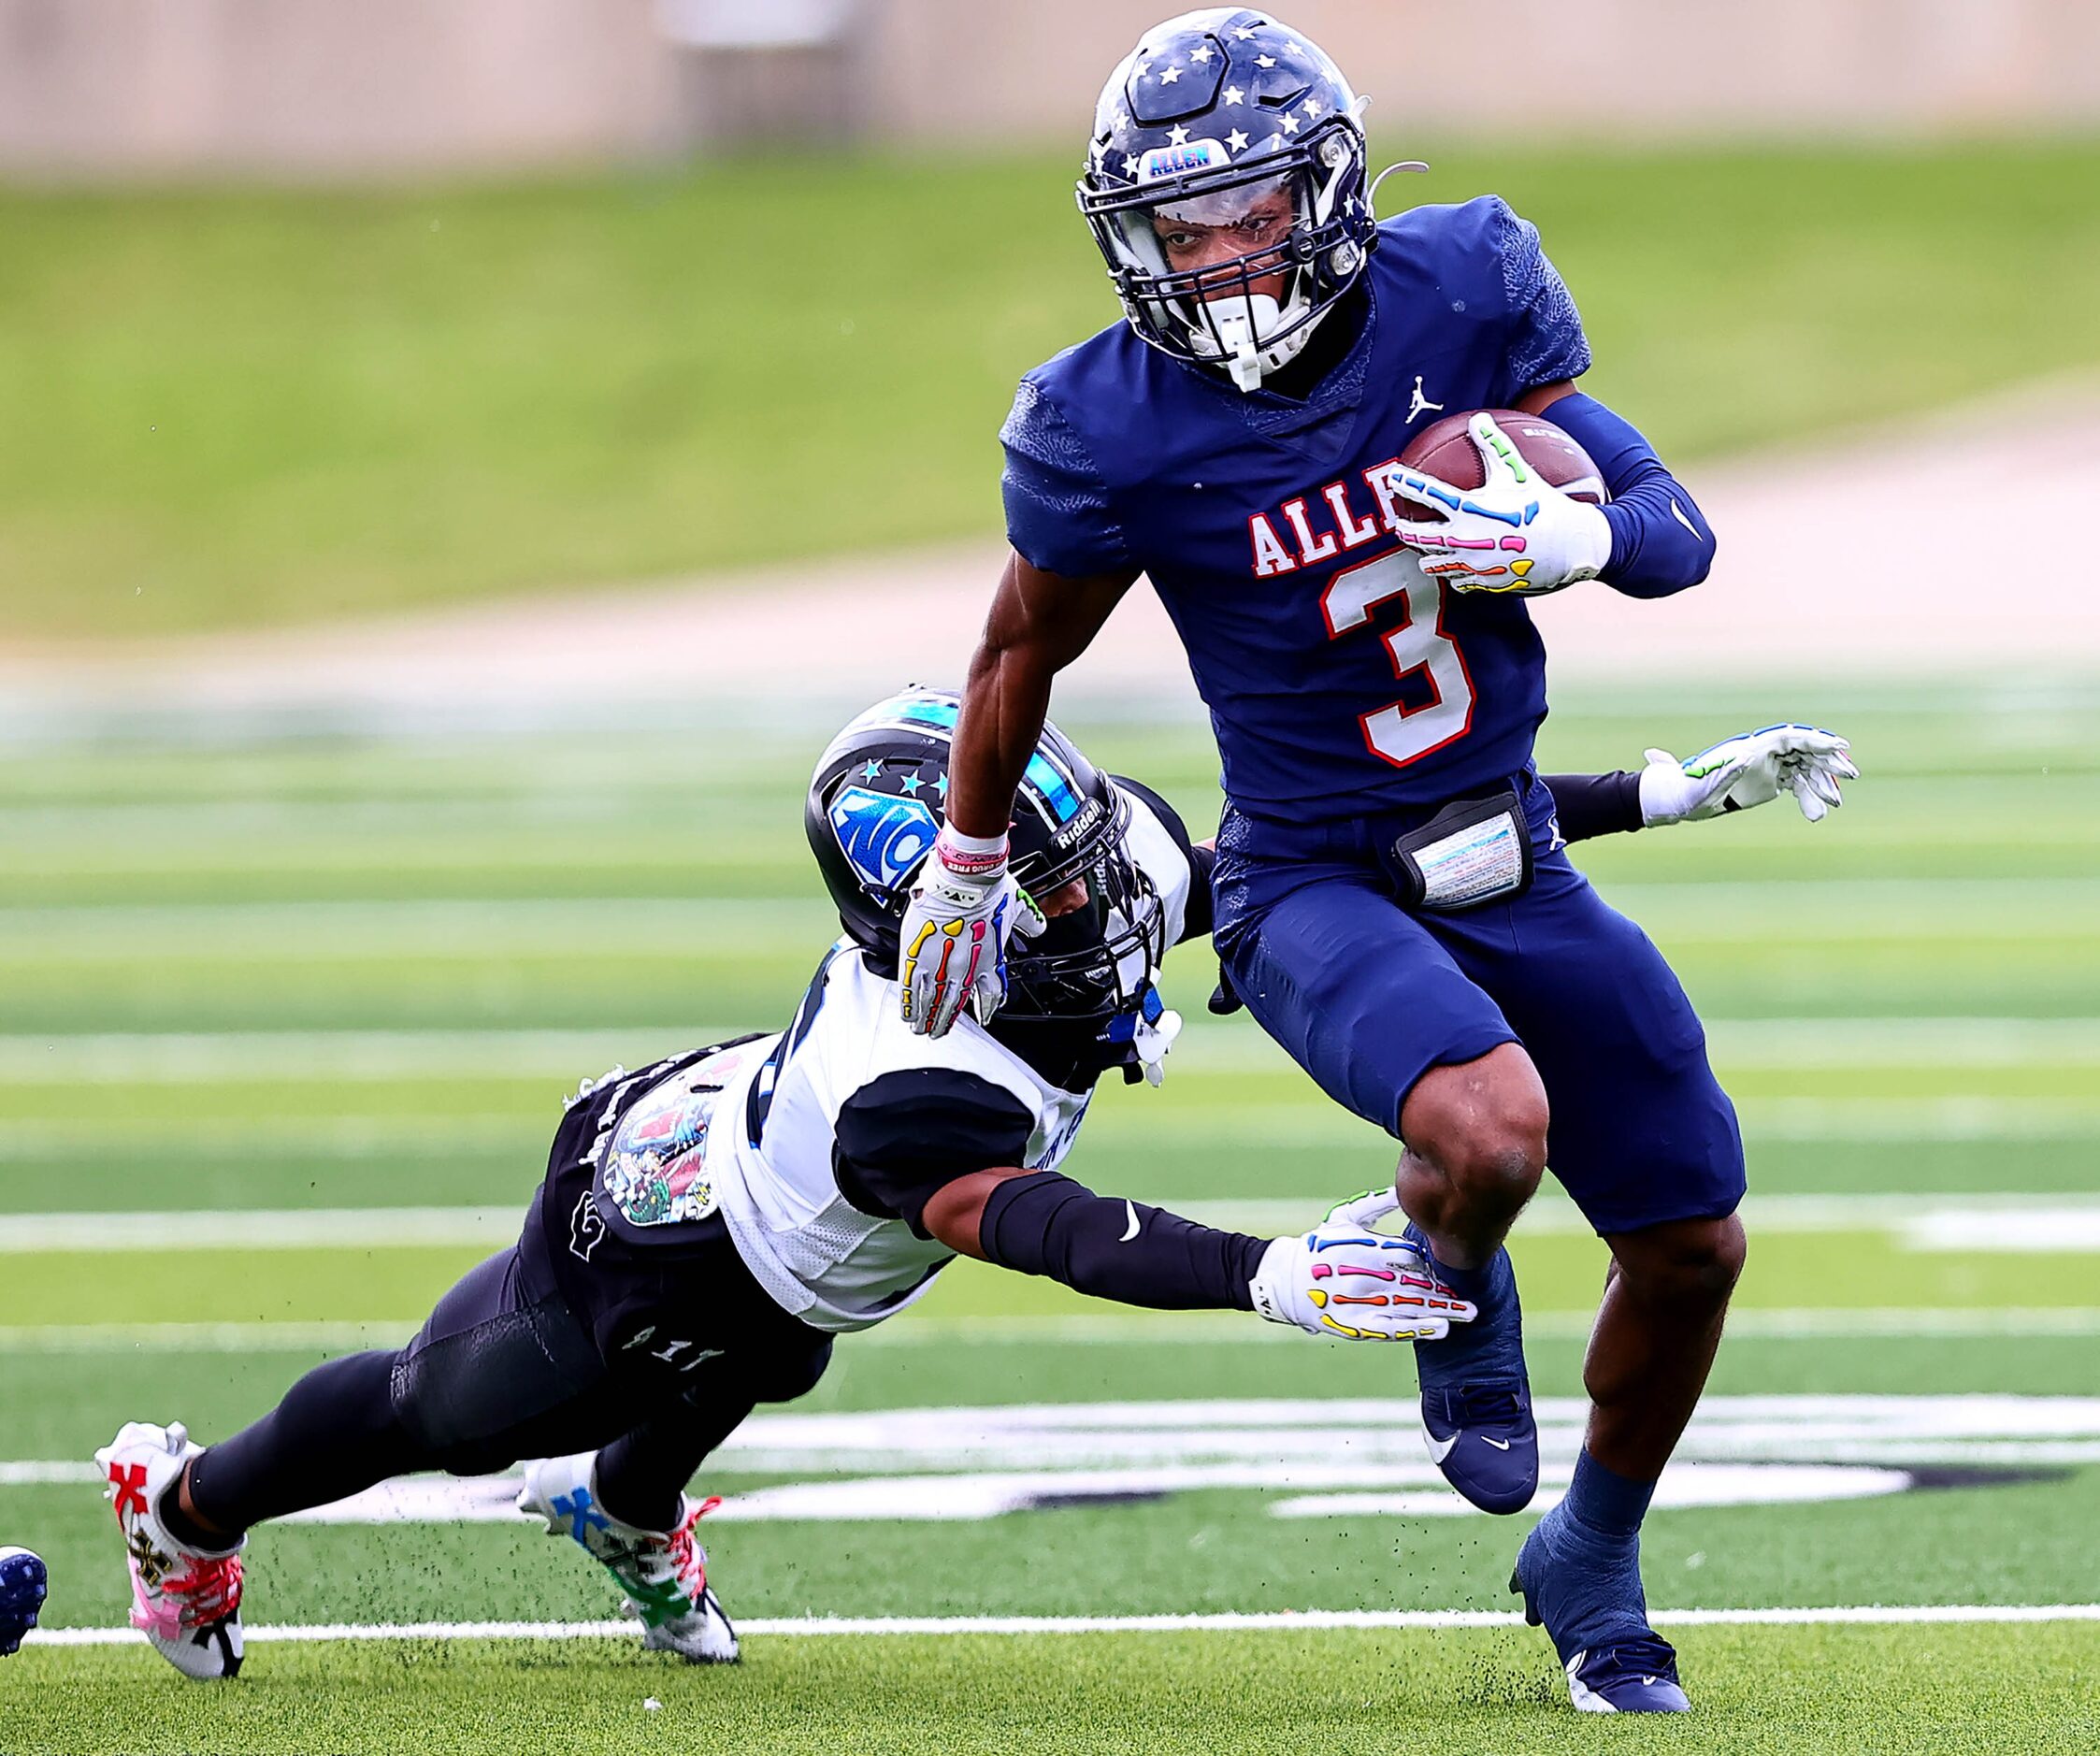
{"type": "Point", "coordinates": [456, 461]}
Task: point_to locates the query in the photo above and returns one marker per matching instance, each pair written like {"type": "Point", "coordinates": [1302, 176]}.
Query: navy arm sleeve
{"type": "Point", "coordinates": [1057, 513]}
{"type": "Point", "coordinates": [1046, 1224]}
{"type": "Point", "coordinates": [1588, 805]}
{"type": "Point", "coordinates": [1660, 541]}
{"type": "Point", "coordinates": [906, 1135]}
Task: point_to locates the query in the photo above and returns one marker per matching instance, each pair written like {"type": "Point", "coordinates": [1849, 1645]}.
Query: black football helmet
{"type": "Point", "coordinates": [877, 800]}
{"type": "Point", "coordinates": [1226, 118]}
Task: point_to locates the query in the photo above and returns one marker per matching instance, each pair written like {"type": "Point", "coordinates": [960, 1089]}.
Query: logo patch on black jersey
{"type": "Point", "coordinates": [656, 1170]}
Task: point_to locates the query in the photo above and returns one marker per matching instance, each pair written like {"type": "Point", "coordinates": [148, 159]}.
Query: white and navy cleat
{"type": "Point", "coordinates": [185, 1601]}
{"type": "Point", "coordinates": [664, 1573]}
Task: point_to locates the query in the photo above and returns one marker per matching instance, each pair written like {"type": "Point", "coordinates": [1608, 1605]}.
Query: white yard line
{"type": "Point", "coordinates": [1297, 1125]}
{"type": "Point", "coordinates": [1773, 1044]}
{"type": "Point", "coordinates": [259, 1229]}
{"type": "Point", "coordinates": [1271, 1621]}
{"type": "Point", "coordinates": [1721, 910]}
{"type": "Point", "coordinates": [1977, 1222]}
{"type": "Point", "coordinates": [1145, 1330]}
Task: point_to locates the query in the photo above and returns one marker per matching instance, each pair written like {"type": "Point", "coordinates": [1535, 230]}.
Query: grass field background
{"type": "Point", "coordinates": [352, 979]}
{"type": "Point", "coordinates": [245, 408]}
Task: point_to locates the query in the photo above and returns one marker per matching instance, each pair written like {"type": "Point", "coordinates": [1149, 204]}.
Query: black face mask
{"type": "Point", "coordinates": [1094, 963]}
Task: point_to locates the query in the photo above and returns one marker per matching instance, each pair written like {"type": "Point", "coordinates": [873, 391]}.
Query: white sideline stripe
{"type": "Point", "coordinates": [1162, 1329]}
{"type": "Point", "coordinates": [1970, 1222]}
{"type": "Point", "coordinates": [1266, 1621]}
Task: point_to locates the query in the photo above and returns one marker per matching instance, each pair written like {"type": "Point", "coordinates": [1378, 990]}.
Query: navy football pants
{"type": "Point", "coordinates": [1367, 998]}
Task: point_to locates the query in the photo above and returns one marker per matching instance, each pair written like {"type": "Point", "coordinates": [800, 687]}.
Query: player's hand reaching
{"type": "Point", "coordinates": [1516, 533]}
{"type": "Point", "coordinates": [1345, 1281]}
{"type": "Point", "coordinates": [952, 947]}
{"type": "Point", "coordinates": [1749, 768]}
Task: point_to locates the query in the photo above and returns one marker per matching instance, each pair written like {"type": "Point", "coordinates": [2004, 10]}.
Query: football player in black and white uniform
{"type": "Point", "coordinates": [708, 1223]}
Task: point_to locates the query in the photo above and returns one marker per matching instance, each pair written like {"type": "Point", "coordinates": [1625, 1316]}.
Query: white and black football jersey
{"type": "Point", "coordinates": [826, 1141]}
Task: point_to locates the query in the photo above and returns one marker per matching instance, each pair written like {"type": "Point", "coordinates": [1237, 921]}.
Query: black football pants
{"type": "Point", "coordinates": [503, 1370]}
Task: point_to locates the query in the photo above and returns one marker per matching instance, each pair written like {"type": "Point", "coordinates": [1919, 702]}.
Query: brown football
{"type": "Point", "coordinates": [1446, 450]}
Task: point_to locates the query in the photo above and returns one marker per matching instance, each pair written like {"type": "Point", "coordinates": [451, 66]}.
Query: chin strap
{"type": "Point", "coordinates": [1150, 1032]}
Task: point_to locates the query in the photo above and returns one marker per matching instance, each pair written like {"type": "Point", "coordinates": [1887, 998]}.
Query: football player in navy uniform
{"type": "Point", "coordinates": [708, 1223]}
{"type": "Point", "coordinates": [1394, 902]}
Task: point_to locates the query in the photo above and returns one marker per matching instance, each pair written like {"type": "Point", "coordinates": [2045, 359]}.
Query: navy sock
{"type": "Point", "coordinates": [1485, 1286]}
{"type": "Point", "coordinates": [1608, 1502]}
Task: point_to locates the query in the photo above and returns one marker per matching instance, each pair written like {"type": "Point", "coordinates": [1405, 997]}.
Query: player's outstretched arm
{"type": "Point", "coordinates": [1748, 769]}
{"type": "Point", "coordinates": [964, 904]}
{"type": "Point", "coordinates": [1739, 774]}
{"type": "Point", "coordinates": [1342, 1280]}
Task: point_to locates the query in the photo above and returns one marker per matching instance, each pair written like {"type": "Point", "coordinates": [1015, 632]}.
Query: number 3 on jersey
{"type": "Point", "coordinates": [1402, 734]}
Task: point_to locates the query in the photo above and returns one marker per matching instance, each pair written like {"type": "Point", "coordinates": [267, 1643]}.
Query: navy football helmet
{"type": "Point", "coordinates": [878, 800]}
{"type": "Point", "coordinates": [1225, 122]}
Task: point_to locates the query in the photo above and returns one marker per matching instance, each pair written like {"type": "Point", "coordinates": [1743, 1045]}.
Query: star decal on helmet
{"type": "Point", "coordinates": [1182, 146]}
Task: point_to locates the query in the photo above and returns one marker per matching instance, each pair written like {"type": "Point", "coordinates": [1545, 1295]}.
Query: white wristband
{"type": "Point", "coordinates": [974, 860]}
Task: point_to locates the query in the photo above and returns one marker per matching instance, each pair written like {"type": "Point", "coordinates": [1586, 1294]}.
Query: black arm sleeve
{"type": "Point", "coordinates": [1595, 804]}
{"type": "Point", "coordinates": [1196, 918]}
{"type": "Point", "coordinates": [1046, 1224]}
{"type": "Point", "coordinates": [908, 1134]}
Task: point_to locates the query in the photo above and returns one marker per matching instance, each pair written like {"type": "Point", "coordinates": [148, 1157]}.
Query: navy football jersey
{"type": "Point", "coordinates": [1339, 680]}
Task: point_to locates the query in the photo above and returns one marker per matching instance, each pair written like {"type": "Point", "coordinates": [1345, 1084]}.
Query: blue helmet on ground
{"type": "Point", "coordinates": [1225, 185]}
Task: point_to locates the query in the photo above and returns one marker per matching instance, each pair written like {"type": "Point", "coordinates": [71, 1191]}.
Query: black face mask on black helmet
{"type": "Point", "coordinates": [876, 802]}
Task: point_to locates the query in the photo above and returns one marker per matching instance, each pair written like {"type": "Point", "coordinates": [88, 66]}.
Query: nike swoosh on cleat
{"type": "Point", "coordinates": [1132, 1208]}
{"type": "Point", "coordinates": [1440, 1448]}
{"type": "Point", "coordinates": [1500, 1445]}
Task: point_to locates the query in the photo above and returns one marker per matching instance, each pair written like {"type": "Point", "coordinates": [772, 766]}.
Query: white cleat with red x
{"type": "Point", "coordinates": [185, 1601]}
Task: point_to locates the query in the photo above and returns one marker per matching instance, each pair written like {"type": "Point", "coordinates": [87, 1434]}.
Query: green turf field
{"type": "Point", "coordinates": [283, 1034]}
{"type": "Point", "coordinates": [246, 408]}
